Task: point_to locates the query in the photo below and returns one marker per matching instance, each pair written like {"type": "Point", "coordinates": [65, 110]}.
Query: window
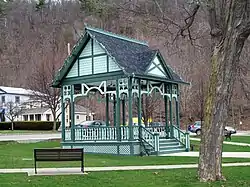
{"type": "Point", "coordinates": [48, 117]}
{"type": "Point", "coordinates": [38, 117]}
{"type": "Point", "coordinates": [31, 117]}
{"type": "Point", "coordinates": [17, 99]}
{"type": "Point", "coordinates": [25, 117]}
{"type": "Point", "coordinates": [3, 99]}
{"type": "Point", "coordinates": [77, 117]}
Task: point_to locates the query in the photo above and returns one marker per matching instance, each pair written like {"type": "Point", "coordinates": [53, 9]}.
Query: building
{"type": "Point", "coordinates": [121, 69]}
{"type": "Point", "coordinates": [16, 96]}
{"type": "Point", "coordinates": [32, 109]}
{"type": "Point", "coordinates": [45, 114]}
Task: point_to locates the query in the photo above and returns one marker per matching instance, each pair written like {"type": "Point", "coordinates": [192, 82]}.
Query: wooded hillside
{"type": "Point", "coordinates": [36, 33]}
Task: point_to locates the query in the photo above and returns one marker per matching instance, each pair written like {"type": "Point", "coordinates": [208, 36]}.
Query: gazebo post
{"type": "Point", "coordinates": [63, 115]}
{"type": "Point", "coordinates": [118, 112]}
{"type": "Point", "coordinates": [139, 102]}
{"type": "Point", "coordinates": [171, 113]}
{"type": "Point", "coordinates": [130, 121]}
{"type": "Point", "coordinates": [177, 108]}
{"type": "Point", "coordinates": [114, 109]}
{"type": "Point", "coordinates": [123, 112]}
{"type": "Point", "coordinates": [107, 109]}
{"type": "Point", "coordinates": [166, 112]}
{"type": "Point", "coordinates": [72, 113]}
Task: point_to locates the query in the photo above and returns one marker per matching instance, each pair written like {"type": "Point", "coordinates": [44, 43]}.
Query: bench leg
{"type": "Point", "coordinates": [35, 168]}
{"type": "Point", "coordinates": [82, 167]}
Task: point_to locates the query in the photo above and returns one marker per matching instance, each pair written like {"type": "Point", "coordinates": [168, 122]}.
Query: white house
{"type": "Point", "coordinates": [17, 96]}
{"type": "Point", "coordinates": [45, 114]}
{"type": "Point", "coordinates": [34, 110]}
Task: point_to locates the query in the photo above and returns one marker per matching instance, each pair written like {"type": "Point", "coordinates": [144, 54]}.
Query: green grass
{"type": "Point", "coordinates": [16, 155]}
{"type": "Point", "coordinates": [24, 132]}
{"type": "Point", "coordinates": [226, 147]}
{"type": "Point", "coordinates": [236, 176]}
{"type": "Point", "coordinates": [241, 139]}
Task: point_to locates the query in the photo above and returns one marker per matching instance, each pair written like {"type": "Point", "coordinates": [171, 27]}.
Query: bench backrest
{"type": "Point", "coordinates": [58, 154]}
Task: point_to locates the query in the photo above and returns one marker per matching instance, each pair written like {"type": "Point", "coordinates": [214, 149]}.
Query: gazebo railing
{"type": "Point", "coordinates": [95, 134]}
{"type": "Point", "coordinates": [182, 137]}
{"type": "Point", "coordinates": [159, 129]}
{"type": "Point", "coordinates": [98, 133]}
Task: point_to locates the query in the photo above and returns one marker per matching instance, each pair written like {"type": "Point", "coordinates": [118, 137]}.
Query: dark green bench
{"type": "Point", "coordinates": [58, 155]}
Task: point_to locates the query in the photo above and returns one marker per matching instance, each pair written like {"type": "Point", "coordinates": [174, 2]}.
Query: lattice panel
{"type": "Point", "coordinates": [106, 149]}
{"type": "Point", "coordinates": [67, 135]}
{"type": "Point", "coordinates": [124, 149]}
{"type": "Point", "coordinates": [136, 149]}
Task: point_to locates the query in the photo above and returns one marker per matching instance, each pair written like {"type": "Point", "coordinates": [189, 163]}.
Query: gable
{"type": "Point", "coordinates": [92, 60]}
{"type": "Point", "coordinates": [156, 68]}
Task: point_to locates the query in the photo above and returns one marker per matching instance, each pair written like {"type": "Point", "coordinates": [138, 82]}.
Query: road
{"type": "Point", "coordinates": [36, 137]}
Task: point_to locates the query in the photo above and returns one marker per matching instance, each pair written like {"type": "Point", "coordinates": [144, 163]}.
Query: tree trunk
{"type": "Point", "coordinates": [54, 120]}
{"type": "Point", "coordinates": [54, 125]}
{"type": "Point", "coordinates": [224, 63]}
{"type": "Point", "coordinates": [12, 125]}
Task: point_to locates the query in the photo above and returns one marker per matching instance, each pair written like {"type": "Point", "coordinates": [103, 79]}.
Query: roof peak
{"type": "Point", "coordinates": [122, 37]}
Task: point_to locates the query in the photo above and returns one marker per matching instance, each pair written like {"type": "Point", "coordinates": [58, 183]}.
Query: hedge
{"type": "Point", "coordinates": [29, 125]}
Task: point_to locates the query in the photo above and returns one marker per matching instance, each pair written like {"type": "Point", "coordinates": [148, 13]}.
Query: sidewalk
{"type": "Point", "coordinates": [225, 142]}
{"type": "Point", "coordinates": [224, 154]}
{"type": "Point", "coordinates": [76, 170]}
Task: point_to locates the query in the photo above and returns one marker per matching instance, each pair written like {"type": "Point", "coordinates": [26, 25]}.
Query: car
{"type": "Point", "coordinates": [94, 123]}
{"type": "Point", "coordinates": [196, 128]}
{"type": "Point", "coordinates": [155, 124]}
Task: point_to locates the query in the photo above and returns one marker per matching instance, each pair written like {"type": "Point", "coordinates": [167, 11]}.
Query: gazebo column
{"type": "Point", "coordinates": [63, 116]}
{"type": "Point", "coordinates": [166, 113]}
{"type": "Point", "coordinates": [118, 112]}
{"type": "Point", "coordinates": [171, 113]}
{"type": "Point", "coordinates": [72, 113]}
{"type": "Point", "coordinates": [123, 112]}
{"type": "Point", "coordinates": [130, 120]}
{"type": "Point", "coordinates": [177, 106]}
{"type": "Point", "coordinates": [114, 109]}
{"type": "Point", "coordinates": [107, 109]}
{"type": "Point", "coordinates": [139, 108]}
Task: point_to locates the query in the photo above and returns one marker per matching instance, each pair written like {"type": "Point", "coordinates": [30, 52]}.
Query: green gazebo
{"type": "Point", "coordinates": [120, 69]}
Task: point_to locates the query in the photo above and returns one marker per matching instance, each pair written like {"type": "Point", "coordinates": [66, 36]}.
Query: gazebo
{"type": "Point", "coordinates": [121, 69]}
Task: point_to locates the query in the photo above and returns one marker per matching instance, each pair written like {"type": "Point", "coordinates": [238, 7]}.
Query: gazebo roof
{"type": "Point", "coordinates": [132, 56]}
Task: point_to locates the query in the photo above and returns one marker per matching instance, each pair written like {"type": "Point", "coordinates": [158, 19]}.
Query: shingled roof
{"type": "Point", "coordinates": [132, 56]}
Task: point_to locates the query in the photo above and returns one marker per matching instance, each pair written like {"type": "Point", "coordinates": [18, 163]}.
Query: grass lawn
{"type": "Point", "coordinates": [24, 132]}
{"type": "Point", "coordinates": [226, 147]}
{"type": "Point", "coordinates": [16, 155]}
{"type": "Point", "coordinates": [241, 139]}
{"type": "Point", "coordinates": [236, 176]}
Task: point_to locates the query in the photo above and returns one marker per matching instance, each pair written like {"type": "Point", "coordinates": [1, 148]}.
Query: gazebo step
{"type": "Point", "coordinates": [175, 150]}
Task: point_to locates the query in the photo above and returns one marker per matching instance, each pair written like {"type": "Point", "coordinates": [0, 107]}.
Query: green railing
{"type": "Point", "coordinates": [150, 139]}
{"type": "Point", "coordinates": [182, 137]}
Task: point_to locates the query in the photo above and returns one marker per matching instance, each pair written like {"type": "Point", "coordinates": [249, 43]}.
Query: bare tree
{"type": "Point", "coordinates": [229, 25]}
{"type": "Point", "coordinates": [40, 83]}
{"type": "Point", "coordinates": [13, 110]}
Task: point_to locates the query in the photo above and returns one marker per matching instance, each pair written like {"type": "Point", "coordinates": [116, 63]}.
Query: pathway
{"type": "Point", "coordinates": [225, 142]}
{"type": "Point", "coordinates": [224, 154]}
{"type": "Point", "coordinates": [29, 137]}
{"type": "Point", "coordinates": [76, 170]}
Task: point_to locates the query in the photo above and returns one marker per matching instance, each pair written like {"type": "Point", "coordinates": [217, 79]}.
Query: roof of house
{"type": "Point", "coordinates": [38, 110]}
{"type": "Point", "coordinates": [132, 56]}
{"type": "Point", "coordinates": [13, 90]}
{"type": "Point", "coordinates": [81, 109]}
{"type": "Point", "coordinates": [41, 110]}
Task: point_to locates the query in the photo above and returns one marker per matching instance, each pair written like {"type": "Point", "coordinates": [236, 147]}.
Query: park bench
{"type": "Point", "coordinates": [56, 155]}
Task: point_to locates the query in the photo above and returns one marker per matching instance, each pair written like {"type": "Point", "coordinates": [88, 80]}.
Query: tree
{"type": "Point", "coordinates": [40, 83]}
{"type": "Point", "coordinates": [229, 26]}
{"type": "Point", "coordinates": [12, 112]}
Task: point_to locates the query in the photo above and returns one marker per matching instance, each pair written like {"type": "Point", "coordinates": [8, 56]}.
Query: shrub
{"type": "Point", "coordinates": [29, 125]}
